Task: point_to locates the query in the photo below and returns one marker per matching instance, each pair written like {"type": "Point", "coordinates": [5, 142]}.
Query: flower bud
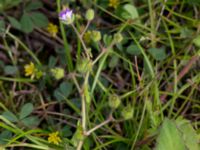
{"type": "Point", "coordinates": [127, 112]}
{"type": "Point", "coordinates": [66, 16]}
{"type": "Point", "coordinates": [84, 65]}
{"type": "Point", "coordinates": [58, 73]}
{"type": "Point", "coordinates": [118, 37]}
{"type": "Point", "coordinates": [114, 101]}
{"type": "Point", "coordinates": [96, 36]}
{"type": "Point", "coordinates": [89, 14]}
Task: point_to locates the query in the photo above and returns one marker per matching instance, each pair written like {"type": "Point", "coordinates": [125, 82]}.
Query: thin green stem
{"type": "Point", "coordinates": [66, 45]}
{"type": "Point", "coordinates": [82, 42]}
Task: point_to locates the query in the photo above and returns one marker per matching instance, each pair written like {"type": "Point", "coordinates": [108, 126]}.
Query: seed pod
{"type": "Point", "coordinates": [58, 73]}
{"type": "Point", "coordinates": [118, 37]}
{"type": "Point", "coordinates": [114, 101]}
{"type": "Point", "coordinates": [96, 36]}
{"type": "Point", "coordinates": [89, 14]}
{"type": "Point", "coordinates": [84, 65]}
{"type": "Point", "coordinates": [127, 112]}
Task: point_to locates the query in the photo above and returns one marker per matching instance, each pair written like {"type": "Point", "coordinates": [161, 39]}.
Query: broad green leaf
{"type": "Point", "coordinates": [66, 130]}
{"type": "Point", "coordinates": [5, 136]}
{"type": "Point", "coordinates": [26, 23]}
{"type": "Point", "coordinates": [114, 61]}
{"type": "Point", "coordinates": [189, 135]}
{"type": "Point", "coordinates": [107, 39]}
{"type": "Point", "coordinates": [158, 53]}
{"type": "Point", "coordinates": [52, 61]}
{"type": "Point", "coordinates": [63, 91]}
{"type": "Point", "coordinates": [131, 12]}
{"type": "Point", "coordinates": [10, 70]}
{"type": "Point", "coordinates": [26, 110]}
{"type": "Point", "coordinates": [31, 121]}
{"type": "Point", "coordinates": [196, 41]}
{"type": "Point", "coordinates": [15, 23]}
{"type": "Point", "coordinates": [169, 137]}
{"type": "Point", "coordinates": [33, 5]}
{"type": "Point", "coordinates": [66, 88]}
{"type": "Point", "coordinates": [6, 4]}
{"type": "Point", "coordinates": [10, 116]}
{"type": "Point", "coordinates": [39, 19]}
{"type": "Point", "coordinates": [133, 50]}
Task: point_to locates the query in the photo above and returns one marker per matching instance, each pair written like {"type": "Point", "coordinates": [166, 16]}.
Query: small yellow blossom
{"type": "Point", "coordinates": [54, 138]}
{"type": "Point", "coordinates": [30, 70]}
{"type": "Point", "coordinates": [52, 29]}
{"type": "Point", "coordinates": [113, 3]}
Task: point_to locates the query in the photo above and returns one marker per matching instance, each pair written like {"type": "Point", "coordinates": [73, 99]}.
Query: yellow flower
{"type": "Point", "coordinates": [113, 3]}
{"type": "Point", "coordinates": [30, 70]}
{"type": "Point", "coordinates": [54, 138]}
{"type": "Point", "coordinates": [52, 29]}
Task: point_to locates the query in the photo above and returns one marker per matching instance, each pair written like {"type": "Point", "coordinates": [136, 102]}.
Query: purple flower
{"type": "Point", "coordinates": [66, 16]}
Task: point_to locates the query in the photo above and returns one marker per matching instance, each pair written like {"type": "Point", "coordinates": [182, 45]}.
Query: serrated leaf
{"type": "Point", "coordinates": [10, 116]}
{"type": "Point", "coordinates": [133, 50]}
{"type": "Point", "coordinates": [169, 137]}
{"type": "Point", "coordinates": [31, 121]}
{"type": "Point", "coordinates": [26, 110]}
{"type": "Point", "coordinates": [26, 23]}
{"type": "Point", "coordinates": [158, 53]}
{"type": "Point", "coordinates": [39, 19]}
{"type": "Point", "coordinates": [14, 22]}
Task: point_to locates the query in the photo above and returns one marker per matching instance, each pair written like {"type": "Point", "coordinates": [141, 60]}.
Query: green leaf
{"type": "Point", "coordinates": [31, 121]}
{"type": "Point", "coordinates": [131, 12]}
{"type": "Point", "coordinates": [169, 137]}
{"type": "Point", "coordinates": [26, 23]}
{"type": "Point", "coordinates": [196, 41]}
{"type": "Point", "coordinates": [10, 116]}
{"type": "Point", "coordinates": [39, 19]}
{"type": "Point", "coordinates": [26, 110]}
{"type": "Point", "coordinates": [107, 39]}
{"type": "Point", "coordinates": [15, 23]}
{"type": "Point", "coordinates": [133, 50]}
{"type": "Point", "coordinates": [158, 53]}
{"type": "Point", "coordinates": [114, 61]}
{"type": "Point", "coordinates": [52, 61]}
{"type": "Point", "coordinates": [189, 135]}
{"type": "Point", "coordinates": [5, 136]}
{"type": "Point", "coordinates": [33, 5]}
{"type": "Point", "coordinates": [63, 91]}
{"type": "Point", "coordinates": [10, 70]}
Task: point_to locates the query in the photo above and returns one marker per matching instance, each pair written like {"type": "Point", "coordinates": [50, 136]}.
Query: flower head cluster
{"type": "Point", "coordinates": [52, 29]}
{"type": "Point", "coordinates": [32, 71]}
{"type": "Point", "coordinates": [54, 138]}
{"type": "Point", "coordinates": [113, 3]}
{"type": "Point", "coordinates": [66, 16]}
{"type": "Point", "coordinates": [57, 73]}
{"type": "Point", "coordinates": [93, 35]}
